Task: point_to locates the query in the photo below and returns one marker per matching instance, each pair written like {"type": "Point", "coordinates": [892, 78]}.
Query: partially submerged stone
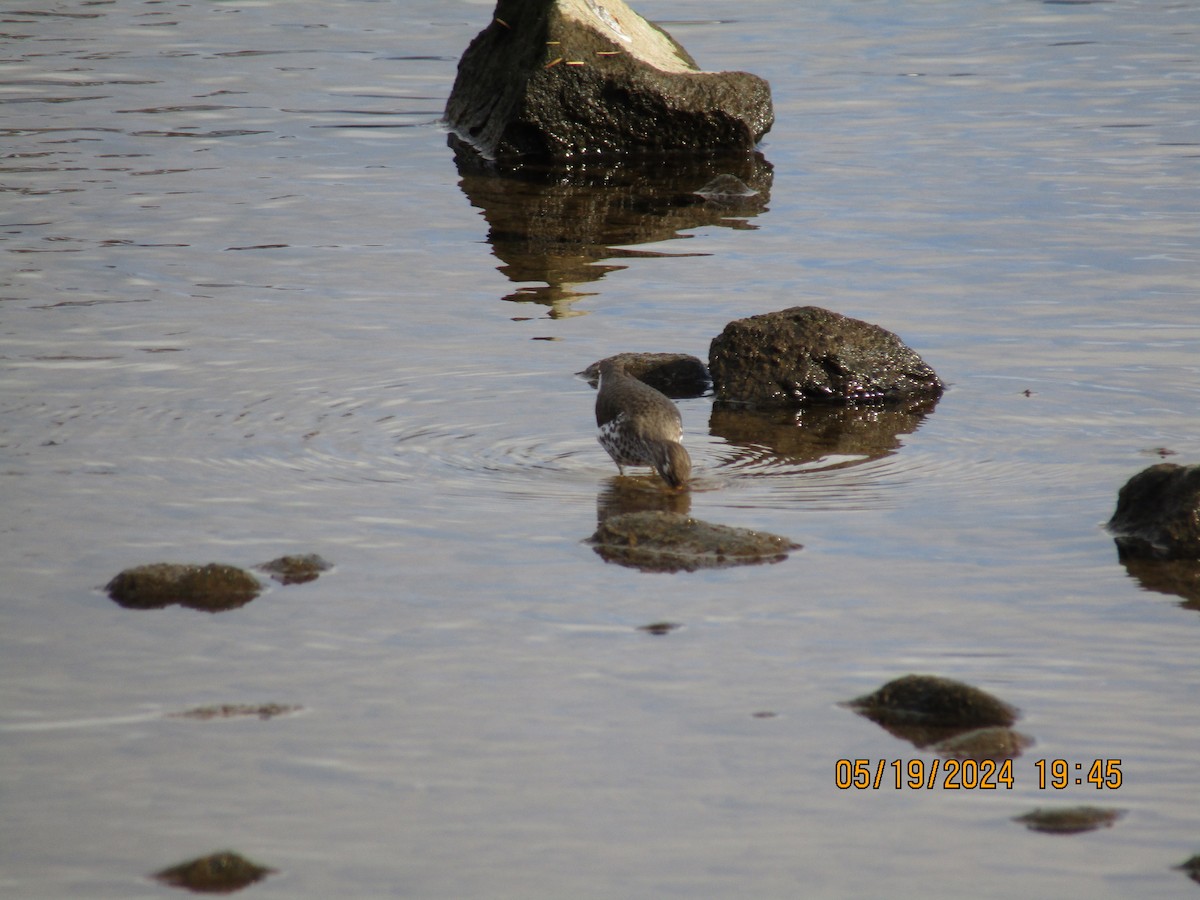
{"type": "Point", "coordinates": [1191, 868]}
{"type": "Point", "coordinates": [218, 873]}
{"type": "Point", "coordinates": [1069, 820]}
{"type": "Point", "coordinates": [659, 628]}
{"type": "Point", "coordinates": [235, 711]}
{"type": "Point", "coordinates": [215, 587]}
{"type": "Point", "coordinates": [675, 374]}
{"type": "Point", "coordinates": [806, 355]}
{"type": "Point", "coordinates": [657, 541]}
{"type": "Point", "coordinates": [1158, 514]}
{"type": "Point", "coordinates": [557, 79]}
{"type": "Point", "coordinates": [298, 569]}
{"type": "Point", "coordinates": [984, 743]}
{"type": "Point", "coordinates": [931, 700]}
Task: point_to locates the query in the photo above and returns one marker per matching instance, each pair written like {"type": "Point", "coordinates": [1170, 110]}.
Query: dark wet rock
{"type": "Point", "coordinates": [808, 434]}
{"type": "Point", "coordinates": [674, 374]}
{"type": "Point", "coordinates": [806, 355]}
{"type": "Point", "coordinates": [1158, 514]}
{"type": "Point", "coordinates": [212, 588]}
{"type": "Point", "coordinates": [218, 873]}
{"type": "Point", "coordinates": [955, 719]}
{"type": "Point", "coordinates": [659, 628]}
{"type": "Point", "coordinates": [236, 711]}
{"type": "Point", "coordinates": [557, 224]}
{"type": "Point", "coordinates": [671, 542]}
{"type": "Point", "coordinates": [298, 569]}
{"type": "Point", "coordinates": [1191, 868]}
{"type": "Point", "coordinates": [1069, 820]}
{"type": "Point", "coordinates": [931, 700]}
{"type": "Point", "coordinates": [984, 743]}
{"type": "Point", "coordinates": [558, 79]}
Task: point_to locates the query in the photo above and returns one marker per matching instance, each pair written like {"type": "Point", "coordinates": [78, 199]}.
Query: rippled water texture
{"type": "Point", "coordinates": [251, 305]}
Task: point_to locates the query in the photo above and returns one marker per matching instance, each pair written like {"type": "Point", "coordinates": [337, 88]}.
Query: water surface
{"type": "Point", "coordinates": [251, 306]}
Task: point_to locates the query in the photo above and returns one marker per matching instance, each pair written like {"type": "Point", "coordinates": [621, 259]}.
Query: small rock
{"type": "Point", "coordinates": [677, 375]}
{"type": "Point", "coordinates": [218, 873]}
{"type": "Point", "coordinates": [657, 541]}
{"type": "Point", "coordinates": [806, 355]}
{"type": "Point", "coordinates": [1072, 820]}
{"type": "Point", "coordinates": [659, 628]}
{"type": "Point", "coordinates": [234, 711]}
{"type": "Point", "coordinates": [556, 79]}
{"type": "Point", "coordinates": [295, 569]}
{"type": "Point", "coordinates": [1158, 514]}
{"type": "Point", "coordinates": [933, 701]}
{"type": "Point", "coordinates": [212, 588]}
{"type": "Point", "coordinates": [1191, 868]}
{"type": "Point", "coordinates": [984, 743]}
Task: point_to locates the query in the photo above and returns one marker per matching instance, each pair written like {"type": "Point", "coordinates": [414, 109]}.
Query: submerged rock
{"type": "Point", "coordinates": [656, 541]}
{"type": "Point", "coordinates": [556, 79]}
{"type": "Point", "coordinates": [295, 569]}
{"type": "Point", "coordinates": [955, 719]}
{"type": "Point", "coordinates": [677, 375]}
{"type": "Point", "coordinates": [218, 873]}
{"type": "Point", "coordinates": [215, 587]}
{"type": "Point", "coordinates": [807, 355]}
{"type": "Point", "coordinates": [1191, 867]}
{"type": "Point", "coordinates": [1158, 514]}
{"type": "Point", "coordinates": [235, 711]}
{"type": "Point", "coordinates": [931, 700]}
{"type": "Point", "coordinates": [1070, 820]}
{"type": "Point", "coordinates": [659, 628]}
{"type": "Point", "coordinates": [984, 743]}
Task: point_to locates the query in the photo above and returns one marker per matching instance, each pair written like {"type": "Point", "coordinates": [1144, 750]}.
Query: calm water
{"type": "Point", "coordinates": [250, 306]}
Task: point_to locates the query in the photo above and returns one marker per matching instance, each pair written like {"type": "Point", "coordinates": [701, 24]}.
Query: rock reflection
{"type": "Point", "coordinates": [816, 432]}
{"type": "Point", "coordinates": [557, 224]}
{"type": "Point", "coordinates": [1175, 577]}
{"type": "Point", "coordinates": [624, 494]}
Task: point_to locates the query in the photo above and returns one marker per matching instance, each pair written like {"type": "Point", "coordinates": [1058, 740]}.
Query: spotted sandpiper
{"type": "Point", "coordinates": [640, 426]}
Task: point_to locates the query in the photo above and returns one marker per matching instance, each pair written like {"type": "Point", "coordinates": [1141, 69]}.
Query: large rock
{"type": "Point", "coordinates": [1158, 514]}
{"type": "Point", "coordinates": [560, 79]}
{"type": "Point", "coordinates": [806, 355]}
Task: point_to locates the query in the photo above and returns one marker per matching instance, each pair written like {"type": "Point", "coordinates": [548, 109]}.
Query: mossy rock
{"type": "Point", "coordinates": [298, 569]}
{"type": "Point", "coordinates": [1069, 820]}
{"type": "Point", "coordinates": [658, 541]}
{"type": "Point", "coordinates": [994, 743]}
{"type": "Point", "coordinates": [218, 873]}
{"type": "Point", "coordinates": [933, 701]}
{"type": "Point", "coordinates": [215, 587]}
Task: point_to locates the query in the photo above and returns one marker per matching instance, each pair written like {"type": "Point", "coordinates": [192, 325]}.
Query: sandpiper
{"type": "Point", "coordinates": [640, 426]}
